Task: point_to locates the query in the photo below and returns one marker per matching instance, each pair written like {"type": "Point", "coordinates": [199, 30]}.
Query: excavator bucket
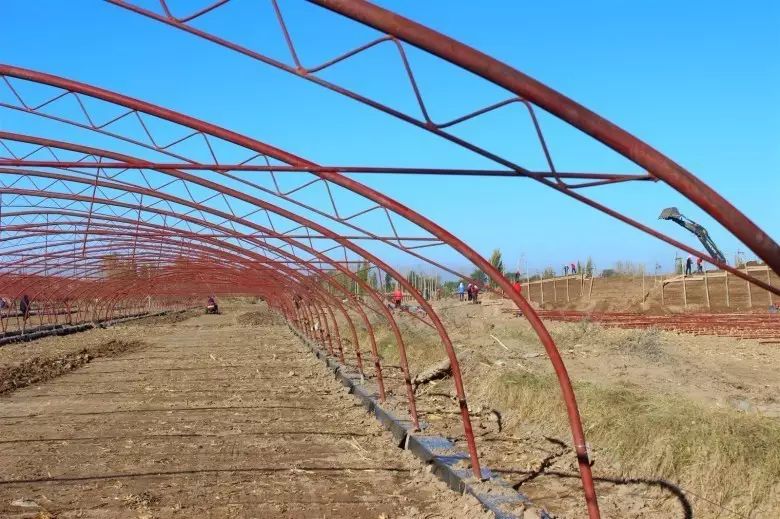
{"type": "Point", "coordinates": [669, 213]}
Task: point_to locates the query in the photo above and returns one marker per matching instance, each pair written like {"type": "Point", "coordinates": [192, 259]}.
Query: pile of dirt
{"type": "Point", "coordinates": [41, 368]}
{"type": "Point", "coordinates": [169, 318]}
{"type": "Point", "coordinates": [258, 319]}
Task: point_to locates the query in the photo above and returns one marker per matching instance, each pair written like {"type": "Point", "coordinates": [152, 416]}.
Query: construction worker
{"type": "Point", "coordinates": [565, 270]}
{"type": "Point", "coordinates": [461, 290]}
{"type": "Point", "coordinates": [397, 296]}
{"type": "Point", "coordinates": [474, 293]}
{"type": "Point", "coordinates": [24, 307]}
{"type": "Point", "coordinates": [573, 268]}
{"type": "Point", "coordinates": [688, 265]}
{"type": "Point", "coordinates": [516, 286]}
{"type": "Point", "coordinates": [699, 266]}
{"type": "Point", "coordinates": [211, 306]}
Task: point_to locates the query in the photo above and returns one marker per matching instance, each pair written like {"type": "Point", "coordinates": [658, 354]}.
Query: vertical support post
{"type": "Point", "coordinates": [706, 289]}
{"type": "Point", "coordinates": [685, 294]}
{"type": "Point", "coordinates": [643, 284]}
{"type": "Point", "coordinates": [769, 282]}
{"type": "Point", "coordinates": [726, 277]}
{"type": "Point", "coordinates": [555, 290]}
{"type": "Point", "coordinates": [750, 292]}
{"type": "Point", "coordinates": [567, 289]}
{"type": "Point", "coordinates": [541, 285]}
{"type": "Point", "coordinates": [663, 286]}
{"type": "Point", "coordinates": [590, 289]}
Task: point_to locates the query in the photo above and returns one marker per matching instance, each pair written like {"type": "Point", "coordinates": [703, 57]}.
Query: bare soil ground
{"type": "Point", "coordinates": [643, 294]}
{"type": "Point", "coordinates": [208, 418]}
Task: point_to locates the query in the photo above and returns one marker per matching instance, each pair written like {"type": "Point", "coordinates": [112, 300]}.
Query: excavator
{"type": "Point", "coordinates": [671, 213]}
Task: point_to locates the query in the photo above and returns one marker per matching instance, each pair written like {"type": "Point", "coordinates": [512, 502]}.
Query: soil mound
{"type": "Point", "coordinates": [169, 318]}
{"type": "Point", "coordinates": [258, 319]}
{"type": "Point", "coordinates": [39, 368]}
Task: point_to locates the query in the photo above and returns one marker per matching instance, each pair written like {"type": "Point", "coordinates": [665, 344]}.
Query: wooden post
{"type": "Point", "coordinates": [555, 290]}
{"type": "Point", "coordinates": [567, 290]}
{"type": "Point", "coordinates": [643, 284]}
{"type": "Point", "coordinates": [726, 277]}
{"type": "Point", "coordinates": [750, 293]}
{"type": "Point", "coordinates": [590, 288]}
{"type": "Point", "coordinates": [663, 303]}
{"type": "Point", "coordinates": [706, 289]}
{"type": "Point", "coordinates": [685, 294]}
{"type": "Point", "coordinates": [769, 282]}
{"type": "Point", "coordinates": [541, 285]}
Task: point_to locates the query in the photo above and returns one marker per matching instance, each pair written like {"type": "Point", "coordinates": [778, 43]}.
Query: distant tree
{"type": "Point", "coordinates": [678, 265]}
{"type": "Point", "coordinates": [117, 267]}
{"type": "Point", "coordinates": [628, 268]}
{"type": "Point", "coordinates": [589, 268]}
{"type": "Point", "coordinates": [449, 287]}
{"type": "Point", "coordinates": [362, 274]}
{"type": "Point", "coordinates": [413, 278]}
{"type": "Point", "coordinates": [548, 272]}
{"type": "Point", "coordinates": [497, 261]}
{"type": "Point", "coordinates": [389, 281]}
{"type": "Point", "coordinates": [343, 280]}
{"type": "Point", "coordinates": [479, 276]}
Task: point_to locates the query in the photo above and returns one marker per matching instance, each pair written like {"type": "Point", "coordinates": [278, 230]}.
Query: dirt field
{"type": "Point", "coordinates": [206, 418]}
{"type": "Point", "coordinates": [643, 293]}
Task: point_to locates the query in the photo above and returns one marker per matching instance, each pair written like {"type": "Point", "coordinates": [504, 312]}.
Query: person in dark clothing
{"type": "Point", "coordinates": [24, 307]}
{"type": "Point", "coordinates": [688, 266]}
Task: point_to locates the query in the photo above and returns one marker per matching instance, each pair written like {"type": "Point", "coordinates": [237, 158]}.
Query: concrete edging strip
{"type": "Point", "coordinates": [494, 493]}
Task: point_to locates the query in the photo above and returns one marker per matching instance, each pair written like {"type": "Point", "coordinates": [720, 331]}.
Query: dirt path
{"type": "Point", "coordinates": [211, 419]}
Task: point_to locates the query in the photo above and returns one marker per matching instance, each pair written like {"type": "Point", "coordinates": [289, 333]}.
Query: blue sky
{"type": "Point", "coordinates": [698, 80]}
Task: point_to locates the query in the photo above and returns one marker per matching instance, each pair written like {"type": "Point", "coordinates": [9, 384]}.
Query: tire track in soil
{"type": "Point", "coordinates": [138, 436]}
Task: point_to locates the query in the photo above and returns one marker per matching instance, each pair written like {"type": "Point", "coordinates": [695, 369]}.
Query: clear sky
{"type": "Point", "coordinates": [698, 80]}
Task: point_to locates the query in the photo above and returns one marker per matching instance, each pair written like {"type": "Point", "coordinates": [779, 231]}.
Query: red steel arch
{"type": "Point", "coordinates": [109, 232]}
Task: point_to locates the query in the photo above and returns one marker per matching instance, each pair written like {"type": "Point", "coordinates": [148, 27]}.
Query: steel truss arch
{"type": "Point", "coordinates": [159, 204]}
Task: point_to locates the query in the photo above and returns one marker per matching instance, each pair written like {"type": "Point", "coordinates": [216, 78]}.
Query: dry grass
{"type": "Point", "coordinates": [729, 458]}
{"type": "Point", "coordinates": [724, 458]}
